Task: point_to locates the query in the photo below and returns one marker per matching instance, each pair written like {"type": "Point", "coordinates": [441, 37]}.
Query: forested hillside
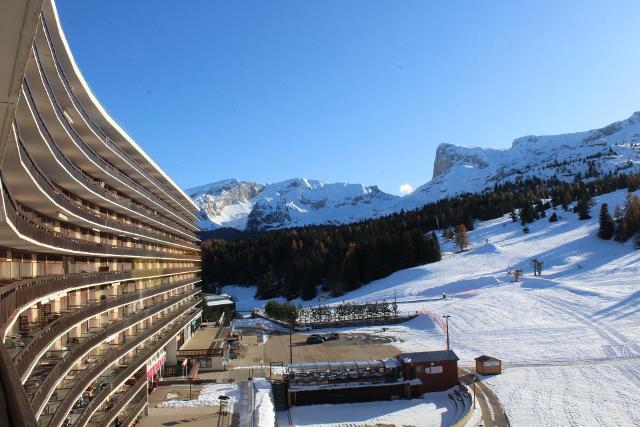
{"type": "Point", "coordinates": [293, 262]}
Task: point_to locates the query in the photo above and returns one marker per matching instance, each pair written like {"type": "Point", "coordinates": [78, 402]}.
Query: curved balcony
{"type": "Point", "coordinates": [50, 239]}
{"type": "Point", "coordinates": [21, 293]}
{"type": "Point", "coordinates": [95, 186]}
{"type": "Point", "coordinates": [98, 160]}
{"type": "Point", "coordinates": [93, 372]}
{"type": "Point", "coordinates": [46, 387]}
{"type": "Point", "coordinates": [90, 215]}
{"type": "Point", "coordinates": [17, 411]}
{"type": "Point", "coordinates": [28, 356]}
{"type": "Point", "coordinates": [130, 417]}
{"type": "Point", "coordinates": [104, 139]}
{"type": "Point", "coordinates": [130, 398]}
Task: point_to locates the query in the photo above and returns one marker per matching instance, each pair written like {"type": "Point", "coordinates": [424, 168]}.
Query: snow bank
{"type": "Point", "coordinates": [265, 412]}
{"type": "Point", "coordinates": [259, 323]}
{"type": "Point", "coordinates": [433, 410]}
{"type": "Point", "coordinates": [209, 396]}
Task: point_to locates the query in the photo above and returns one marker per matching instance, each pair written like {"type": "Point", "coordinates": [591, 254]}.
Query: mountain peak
{"type": "Point", "coordinates": [289, 203]}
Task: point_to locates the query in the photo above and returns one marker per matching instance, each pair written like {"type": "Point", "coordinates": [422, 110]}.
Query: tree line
{"type": "Point", "coordinates": [293, 262]}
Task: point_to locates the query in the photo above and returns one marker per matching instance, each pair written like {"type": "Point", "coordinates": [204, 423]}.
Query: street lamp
{"type": "Point", "coordinates": [446, 318]}
{"type": "Point", "coordinates": [474, 391]}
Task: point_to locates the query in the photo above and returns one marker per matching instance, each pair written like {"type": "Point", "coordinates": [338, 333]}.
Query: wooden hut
{"type": "Point", "coordinates": [436, 370]}
{"type": "Point", "coordinates": [487, 365]}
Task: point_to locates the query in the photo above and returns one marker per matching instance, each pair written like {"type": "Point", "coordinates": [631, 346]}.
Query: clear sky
{"type": "Point", "coordinates": [360, 90]}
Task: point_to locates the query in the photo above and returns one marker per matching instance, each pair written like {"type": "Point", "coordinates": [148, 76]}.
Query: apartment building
{"type": "Point", "coordinates": [99, 260]}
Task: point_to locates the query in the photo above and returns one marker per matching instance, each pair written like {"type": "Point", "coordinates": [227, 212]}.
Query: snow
{"type": "Point", "coordinates": [209, 396]}
{"type": "Point", "coordinates": [612, 148]}
{"type": "Point", "coordinates": [259, 323]}
{"type": "Point", "coordinates": [293, 202]}
{"type": "Point", "coordinates": [569, 340]}
{"type": "Point", "coordinates": [214, 303]}
{"type": "Point", "coordinates": [264, 409]}
{"type": "Point", "coordinates": [459, 169]}
{"type": "Point", "coordinates": [435, 409]}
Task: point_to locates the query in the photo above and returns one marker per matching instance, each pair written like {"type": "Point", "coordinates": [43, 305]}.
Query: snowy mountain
{"type": "Point", "coordinates": [614, 148]}
{"type": "Point", "coordinates": [457, 169]}
{"type": "Point", "coordinates": [290, 203]}
{"type": "Point", "coordinates": [225, 203]}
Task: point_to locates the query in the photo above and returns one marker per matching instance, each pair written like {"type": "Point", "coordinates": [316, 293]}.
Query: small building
{"type": "Point", "coordinates": [208, 347]}
{"type": "Point", "coordinates": [487, 365]}
{"type": "Point", "coordinates": [436, 370]}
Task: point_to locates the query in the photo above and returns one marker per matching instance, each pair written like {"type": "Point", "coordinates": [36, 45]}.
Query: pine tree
{"type": "Point", "coordinates": [606, 223]}
{"type": "Point", "coordinates": [553, 217]}
{"type": "Point", "coordinates": [583, 207]}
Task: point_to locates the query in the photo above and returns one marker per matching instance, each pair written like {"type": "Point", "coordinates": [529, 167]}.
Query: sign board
{"type": "Point", "coordinates": [433, 370]}
{"type": "Point", "coordinates": [492, 363]}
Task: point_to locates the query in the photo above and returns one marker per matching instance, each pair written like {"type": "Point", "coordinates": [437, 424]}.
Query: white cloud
{"type": "Point", "coordinates": [405, 189]}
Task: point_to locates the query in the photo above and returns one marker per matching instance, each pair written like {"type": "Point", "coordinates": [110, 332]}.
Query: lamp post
{"type": "Point", "coordinates": [446, 318]}
{"type": "Point", "coordinates": [290, 345]}
{"type": "Point", "coordinates": [474, 391]}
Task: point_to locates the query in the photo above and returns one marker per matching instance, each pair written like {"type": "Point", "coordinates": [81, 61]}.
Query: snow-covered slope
{"type": "Point", "coordinates": [613, 148]}
{"type": "Point", "coordinates": [290, 203]}
{"type": "Point", "coordinates": [569, 340]}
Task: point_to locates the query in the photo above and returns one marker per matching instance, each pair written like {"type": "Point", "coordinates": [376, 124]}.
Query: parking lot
{"type": "Point", "coordinates": [349, 347]}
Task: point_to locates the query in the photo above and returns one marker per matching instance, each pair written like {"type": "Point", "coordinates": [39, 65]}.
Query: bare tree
{"type": "Point", "coordinates": [462, 237]}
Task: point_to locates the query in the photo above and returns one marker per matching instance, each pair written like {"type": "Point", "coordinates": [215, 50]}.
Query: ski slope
{"type": "Point", "coordinates": [569, 340]}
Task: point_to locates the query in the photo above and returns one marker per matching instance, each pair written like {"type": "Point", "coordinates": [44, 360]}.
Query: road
{"type": "Point", "coordinates": [492, 412]}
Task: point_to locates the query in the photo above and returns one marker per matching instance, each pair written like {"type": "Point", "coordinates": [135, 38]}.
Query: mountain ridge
{"type": "Point", "coordinates": [458, 169]}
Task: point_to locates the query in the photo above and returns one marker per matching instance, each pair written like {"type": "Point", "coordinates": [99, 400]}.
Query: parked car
{"type": "Point", "coordinates": [332, 336]}
{"type": "Point", "coordinates": [315, 339]}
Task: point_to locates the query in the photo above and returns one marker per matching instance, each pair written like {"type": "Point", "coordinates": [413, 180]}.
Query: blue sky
{"type": "Point", "coordinates": [358, 91]}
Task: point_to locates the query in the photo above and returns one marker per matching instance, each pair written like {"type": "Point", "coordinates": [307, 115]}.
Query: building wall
{"type": "Point", "coordinates": [435, 376]}
{"type": "Point", "coordinates": [355, 394]}
{"type": "Point", "coordinates": [489, 367]}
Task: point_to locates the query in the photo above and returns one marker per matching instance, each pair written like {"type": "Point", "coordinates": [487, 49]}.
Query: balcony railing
{"type": "Point", "coordinates": [22, 292]}
{"type": "Point", "coordinates": [46, 236]}
{"type": "Point", "coordinates": [99, 160]}
{"type": "Point", "coordinates": [112, 356]}
{"type": "Point", "coordinates": [46, 335]}
{"type": "Point", "coordinates": [105, 139]}
{"type": "Point", "coordinates": [45, 388]}
{"type": "Point", "coordinates": [131, 416]}
{"type": "Point", "coordinates": [95, 185]}
{"type": "Point", "coordinates": [130, 397]}
{"type": "Point", "coordinates": [62, 199]}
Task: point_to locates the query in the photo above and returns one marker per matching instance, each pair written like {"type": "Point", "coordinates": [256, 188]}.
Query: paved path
{"type": "Point", "coordinates": [243, 408]}
{"type": "Point", "coordinates": [492, 412]}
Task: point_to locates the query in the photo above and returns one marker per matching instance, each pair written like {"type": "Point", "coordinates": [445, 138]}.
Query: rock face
{"type": "Point", "coordinates": [225, 202]}
{"type": "Point", "coordinates": [457, 169]}
{"type": "Point", "coordinates": [448, 155]}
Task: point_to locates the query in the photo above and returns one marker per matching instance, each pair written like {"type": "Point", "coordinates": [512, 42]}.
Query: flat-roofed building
{"type": "Point", "coordinates": [99, 259]}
